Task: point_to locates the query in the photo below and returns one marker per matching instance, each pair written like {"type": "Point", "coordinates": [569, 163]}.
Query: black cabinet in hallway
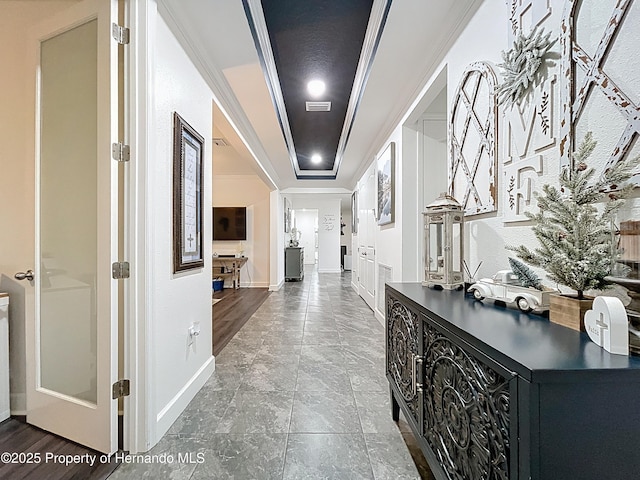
{"type": "Point", "coordinates": [491, 392]}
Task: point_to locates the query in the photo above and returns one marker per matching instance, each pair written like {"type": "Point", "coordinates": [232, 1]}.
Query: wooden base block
{"type": "Point", "coordinates": [569, 312]}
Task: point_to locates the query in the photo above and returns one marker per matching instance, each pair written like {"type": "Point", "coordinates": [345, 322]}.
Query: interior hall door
{"type": "Point", "coordinates": [366, 240]}
{"type": "Point", "coordinates": [72, 341]}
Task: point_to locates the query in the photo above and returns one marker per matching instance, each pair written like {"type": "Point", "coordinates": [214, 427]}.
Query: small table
{"type": "Point", "coordinates": [228, 266]}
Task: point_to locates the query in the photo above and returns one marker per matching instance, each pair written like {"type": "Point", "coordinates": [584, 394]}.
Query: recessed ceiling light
{"type": "Point", "coordinates": [316, 88]}
{"type": "Point", "coordinates": [315, 158]}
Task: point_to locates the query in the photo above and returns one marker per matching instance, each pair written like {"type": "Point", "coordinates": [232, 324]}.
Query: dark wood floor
{"type": "Point", "coordinates": [21, 438]}
{"type": "Point", "coordinates": [232, 312]}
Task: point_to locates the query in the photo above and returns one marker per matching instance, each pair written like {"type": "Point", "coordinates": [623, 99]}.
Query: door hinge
{"type": "Point", "coordinates": [120, 34]}
{"type": "Point", "coordinates": [121, 388]}
{"type": "Point", "coordinates": [120, 270]}
{"type": "Point", "coordinates": [120, 152]}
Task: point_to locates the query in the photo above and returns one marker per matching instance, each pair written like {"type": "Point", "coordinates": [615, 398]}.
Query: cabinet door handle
{"type": "Point", "coordinates": [415, 361]}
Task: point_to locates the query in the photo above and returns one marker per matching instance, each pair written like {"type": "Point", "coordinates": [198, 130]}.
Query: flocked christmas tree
{"type": "Point", "coordinates": [527, 277]}
{"type": "Point", "coordinates": [576, 244]}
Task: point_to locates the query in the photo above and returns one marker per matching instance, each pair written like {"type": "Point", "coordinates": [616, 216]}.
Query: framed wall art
{"type": "Point", "coordinates": [386, 185]}
{"type": "Point", "coordinates": [354, 212]}
{"type": "Point", "coordinates": [287, 215]}
{"type": "Point", "coordinates": [187, 196]}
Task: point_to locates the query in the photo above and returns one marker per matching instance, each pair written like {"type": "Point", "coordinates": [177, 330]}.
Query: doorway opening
{"type": "Point", "coordinates": [305, 221]}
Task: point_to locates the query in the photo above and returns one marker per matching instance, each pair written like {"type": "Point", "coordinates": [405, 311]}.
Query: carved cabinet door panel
{"type": "Point", "coordinates": [402, 357]}
{"type": "Point", "coordinates": [469, 404]}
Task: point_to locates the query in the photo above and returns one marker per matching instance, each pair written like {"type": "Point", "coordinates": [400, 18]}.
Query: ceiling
{"type": "Point", "coordinates": [261, 116]}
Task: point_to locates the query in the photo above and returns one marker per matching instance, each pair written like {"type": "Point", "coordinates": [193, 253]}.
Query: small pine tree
{"type": "Point", "coordinates": [575, 236]}
{"type": "Point", "coordinates": [527, 277]}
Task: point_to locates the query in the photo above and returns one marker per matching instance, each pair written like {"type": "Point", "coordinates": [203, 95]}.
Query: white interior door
{"type": "Point", "coordinates": [366, 239]}
{"type": "Point", "coordinates": [72, 337]}
{"type": "Point", "coordinates": [307, 225]}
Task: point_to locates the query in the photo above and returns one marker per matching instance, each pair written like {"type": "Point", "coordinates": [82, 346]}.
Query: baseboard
{"type": "Point", "coordinates": [330, 270]}
{"type": "Point", "coordinates": [256, 285]}
{"type": "Point", "coordinates": [176, 406]}
{"type": "Point", "coordinates": [379, 316]}
{"type": "Point", "coordinates": [275, 288]}
{"type": "Point", "coordinates": [18, 403]}
{"type": "Point", "coordinates": [354, 286]}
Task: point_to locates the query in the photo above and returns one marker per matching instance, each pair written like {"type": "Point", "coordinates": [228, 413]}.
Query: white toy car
{"type": "Point", "coordinates": [505, 287]}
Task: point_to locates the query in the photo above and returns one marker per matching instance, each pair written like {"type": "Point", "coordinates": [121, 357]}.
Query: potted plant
{"type": "Point", "coordinates": [573, 226]}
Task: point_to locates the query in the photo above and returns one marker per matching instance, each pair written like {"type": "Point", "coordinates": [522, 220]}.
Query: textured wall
{"type": "Point", "coordinates": [176, 300]}
{"type": "Point", "coordinates": [528, 137]}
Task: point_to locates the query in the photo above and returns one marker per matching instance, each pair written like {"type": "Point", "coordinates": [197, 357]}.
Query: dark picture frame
{"type": "Point", "coordinates": [188, 196]}
{"type": "Point", "coordinates": [386, 185]}
{"type": "Point", "coordinates": [287, 216]}
{"type": "Point", "coordinates": [354, 212]}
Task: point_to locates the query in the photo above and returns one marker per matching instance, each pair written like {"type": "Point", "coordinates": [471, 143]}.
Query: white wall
{"type": "Point", "coordinates": [389, 238]}
{"type": "Point", "coordinates": [17, 194]}
{"type": "Point", "coordinates": [251, 192]}
{"type": "Point", "coordinates": [176, 300]}
{"type": "Point", "coordinates": [478, 42]}
{"type": "Point", "coordinates": [277, 240]}
{"type": "Point", "coordinates": [486, 235]}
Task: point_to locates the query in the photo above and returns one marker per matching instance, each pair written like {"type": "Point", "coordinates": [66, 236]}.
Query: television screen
{"type": "Point", "coordinates": [229, 223]}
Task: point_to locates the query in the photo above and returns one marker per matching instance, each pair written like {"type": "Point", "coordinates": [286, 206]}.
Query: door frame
{"type": "Point", "coordinates": [139, 427]}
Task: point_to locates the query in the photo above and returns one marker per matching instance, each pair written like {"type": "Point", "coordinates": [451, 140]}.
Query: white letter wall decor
{"type": "Point", "coordinates": [607, 325]}
{"type": "Point", "coordinates": [526, 14]}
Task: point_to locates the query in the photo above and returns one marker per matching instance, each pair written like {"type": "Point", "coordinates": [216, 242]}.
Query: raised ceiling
{"type": "Point", "coordinates": [327, 41]}
{"type": "Point", "coordinates": [218, 37]}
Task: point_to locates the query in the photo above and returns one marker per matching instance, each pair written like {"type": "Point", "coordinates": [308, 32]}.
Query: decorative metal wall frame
{"type": "Point", "coordinates": [466, 411]}
{"type": "Point", "coordinates": [478, 175]}
{"type": "Point", "coordinates": [595, 81]}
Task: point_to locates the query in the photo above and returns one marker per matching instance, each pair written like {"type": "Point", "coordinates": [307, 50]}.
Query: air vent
{"type": "Point", "coordinates": [318, 106]}
{"type": "Point", "coordinates": [220, 142]}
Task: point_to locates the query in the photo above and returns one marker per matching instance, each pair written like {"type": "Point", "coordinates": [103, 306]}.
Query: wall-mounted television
{"type": "Point", "coordinates": [229, 223]}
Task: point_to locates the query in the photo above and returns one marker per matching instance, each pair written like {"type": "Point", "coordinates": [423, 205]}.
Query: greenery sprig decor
{"type": "Point", "coordinates": [576, 244]}
{"type": "Point", "coordinates": [521, 65]}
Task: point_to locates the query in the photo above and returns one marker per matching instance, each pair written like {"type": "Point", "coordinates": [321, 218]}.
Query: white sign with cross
{"type": "Point", "coordinates": [607, 325]}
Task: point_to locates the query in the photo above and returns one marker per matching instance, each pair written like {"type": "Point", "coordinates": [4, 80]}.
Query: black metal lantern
{"type": "Point", "coordinates": [444, 242]}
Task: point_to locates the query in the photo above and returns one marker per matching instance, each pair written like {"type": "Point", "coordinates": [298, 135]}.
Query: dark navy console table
{"type": "Point", "coordinates": [493, 393]}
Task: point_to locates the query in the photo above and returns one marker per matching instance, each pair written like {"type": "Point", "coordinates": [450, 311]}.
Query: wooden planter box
{"type": "Point", "coordinates": [568, 311]}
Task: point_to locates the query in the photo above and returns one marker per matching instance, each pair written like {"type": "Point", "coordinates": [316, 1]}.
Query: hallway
{"type": "Point", "coordinates": [299, 392]}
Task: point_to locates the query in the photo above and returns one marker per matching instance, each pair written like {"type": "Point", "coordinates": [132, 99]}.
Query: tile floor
{"type": "Point", "coordinates": [299, 393]}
